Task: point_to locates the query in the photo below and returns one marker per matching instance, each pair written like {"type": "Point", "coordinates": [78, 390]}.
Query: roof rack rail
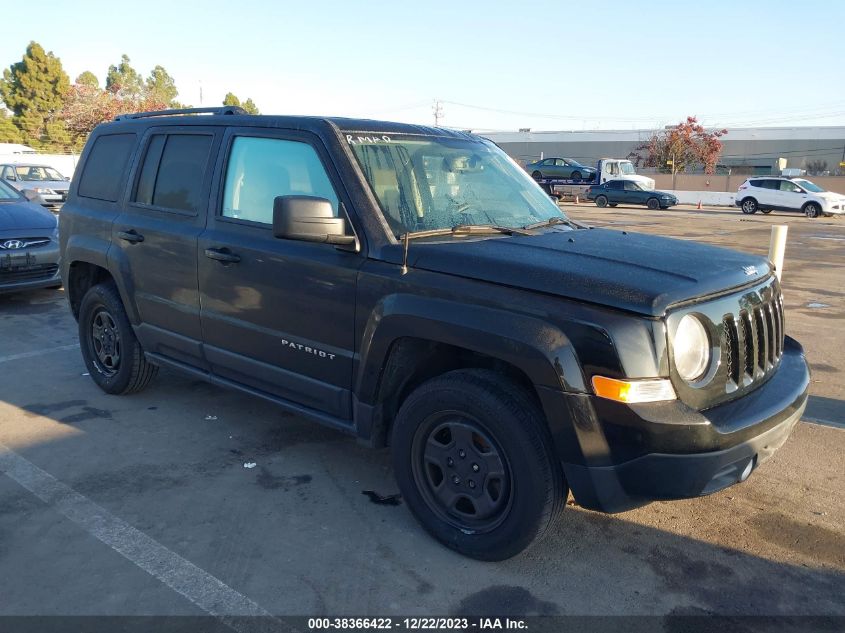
{"type": "Point", "coordinates": [180, 111]}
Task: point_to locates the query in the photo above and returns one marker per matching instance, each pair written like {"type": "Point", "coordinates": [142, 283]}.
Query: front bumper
{"type": "Point", "coordinates": [684, 453]}
{"type": "Point", "coordinates": [30, 269]}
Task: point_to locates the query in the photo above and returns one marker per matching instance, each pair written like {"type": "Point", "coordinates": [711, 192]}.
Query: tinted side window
{"type": "Point", "coordinates": [770, 184]}
{"type": "Point", "coordinates": [614, 184]}
{"type": "Point", "coordinates": [173, 171]}
{"type": "Point", "coordinates": [755, 183]}
{"type": "Point", "coordinates": [260, 169]}
{"type": "Point", "coordinates": [786, 185]}
{"type": "Point", "coordinates": [102, 177]}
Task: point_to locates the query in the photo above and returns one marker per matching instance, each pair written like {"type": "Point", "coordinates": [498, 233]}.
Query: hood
{"type": "Point", "coordinates": [25, 215]}
{"type": "Point", "coordinates": [830, 195]}
{"type": "Point", "coordinates": [55, 185]}
{"type": "Point", "coordinates": [628, 271]}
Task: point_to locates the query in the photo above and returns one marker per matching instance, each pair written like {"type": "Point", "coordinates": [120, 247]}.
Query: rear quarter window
{"type": "Point", "coordinates": [105, 169]}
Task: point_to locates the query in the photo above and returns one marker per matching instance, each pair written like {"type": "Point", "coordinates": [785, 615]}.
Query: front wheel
{"type": "Point", "coordinates": [812, 210]}
{"type": "Point", "coordinates": [601, 201]}
{"type": "Point", "coordinates": [576, 175]}
{"type": "Point", "coordinates": [749, 206]}
{"type": "Point", "coordinates": [112, 354]}
{"type": "Point", "coordinates": [473, 459]}
{"type": "Point", "coordinates": [536, 175]}
{"type": "Point", "coordinates": [653, 204]}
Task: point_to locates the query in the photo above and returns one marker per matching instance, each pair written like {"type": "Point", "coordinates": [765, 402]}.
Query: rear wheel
{"type": "Point", "coordinates": [474, 461]}
{"type": "Point", "coordinates": [601, 201]}
{"type": "Point", "coordinates": [653, 204]}
{"type": "Point", "coordinates": [536, 175]}
{"type": "Point", "coordinates": [812, 210]}
{"type": "Point", "coordinates": [749, 206]}
{"type": "Point", "coordinates": [112, 354]}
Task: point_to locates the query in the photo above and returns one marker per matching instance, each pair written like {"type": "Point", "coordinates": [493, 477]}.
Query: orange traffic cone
{"type": "Point", "coordinates": [699, 205]}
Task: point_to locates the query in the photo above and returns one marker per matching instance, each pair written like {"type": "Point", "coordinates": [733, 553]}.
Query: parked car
{"type": "Point", "coordinates": [29, 244]}
{"type": "Point", "coordinates": [769, 193]}
{"type": "Point", "coordinates": [615, 192]}
{"type": "Point", "coordinates": [412, 286]}
{"type": "Point", "coordinates": [39, 183]}
{"type": "Point", "coordinates": [563, 168]}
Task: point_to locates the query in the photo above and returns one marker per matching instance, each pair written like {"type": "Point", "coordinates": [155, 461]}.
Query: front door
{"type": "Point", "coordinates": [277, 315]}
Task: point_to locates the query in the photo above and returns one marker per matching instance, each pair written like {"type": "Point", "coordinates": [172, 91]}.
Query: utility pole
{"type": "Point", "coordinates": [437, 109]}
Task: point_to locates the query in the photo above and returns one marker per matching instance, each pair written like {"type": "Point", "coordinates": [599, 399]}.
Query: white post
{"type": "Point", "coordinates": [777, 247]}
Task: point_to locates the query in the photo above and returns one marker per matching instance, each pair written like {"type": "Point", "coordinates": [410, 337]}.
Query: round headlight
{"type": "Point", "coordinates": [692, 349]}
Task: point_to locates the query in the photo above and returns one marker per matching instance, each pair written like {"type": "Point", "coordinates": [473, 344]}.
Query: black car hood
{"type": "Point", "coordinates": [629, 271]}
{"type": "Point", "coordinates": [25, 215]}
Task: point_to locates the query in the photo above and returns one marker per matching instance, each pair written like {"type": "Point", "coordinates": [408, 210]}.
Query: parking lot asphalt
{"type": "Point", "coordinates": [144, 504]}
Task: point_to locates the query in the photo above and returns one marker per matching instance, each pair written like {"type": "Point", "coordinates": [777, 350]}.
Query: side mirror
{"type": "Point", "coordinates": [309, 219]}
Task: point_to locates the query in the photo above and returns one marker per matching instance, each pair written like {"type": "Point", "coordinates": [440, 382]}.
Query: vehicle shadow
{"type": "Point", "coordinates": [827, 411]}
{"type": "Point", "coordinates": [160, 462]}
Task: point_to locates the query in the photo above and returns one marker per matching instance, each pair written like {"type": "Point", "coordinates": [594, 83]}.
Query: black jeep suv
{"type": "Point", "coordinates": [414, 287]}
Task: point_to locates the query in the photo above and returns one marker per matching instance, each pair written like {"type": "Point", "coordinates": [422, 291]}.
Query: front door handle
{"type": "Point", "coordinates": [222, 255]}
{"type": "Point", "coordinates": [131, 236]}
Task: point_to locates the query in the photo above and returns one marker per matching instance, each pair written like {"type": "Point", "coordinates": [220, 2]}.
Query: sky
{"type": "Point", "coordinates": [491, 65]}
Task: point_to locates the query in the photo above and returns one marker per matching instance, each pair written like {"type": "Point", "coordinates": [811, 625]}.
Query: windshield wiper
{"type": "Point", "coordinates": [460, 229]}
{"type": "Point", "coordinates": [466, 229]}
{"type": "Point", "coordinates": [552, 222]}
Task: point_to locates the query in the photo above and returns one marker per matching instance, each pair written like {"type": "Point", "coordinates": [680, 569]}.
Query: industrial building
{"type": "Point", "coordinates": [745, 150]}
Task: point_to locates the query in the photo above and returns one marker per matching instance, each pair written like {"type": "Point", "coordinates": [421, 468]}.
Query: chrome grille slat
{"type": "Point", "coordinates": [752, 341]}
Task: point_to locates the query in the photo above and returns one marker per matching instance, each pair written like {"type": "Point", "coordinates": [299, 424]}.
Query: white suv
{"type": "Point", "coordinates": [765, 193]}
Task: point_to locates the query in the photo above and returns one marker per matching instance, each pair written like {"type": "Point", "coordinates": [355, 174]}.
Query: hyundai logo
{"type": "Point", "coordinates": [749, 270]}
{"type": "Point", "coordinates": [13, 244]}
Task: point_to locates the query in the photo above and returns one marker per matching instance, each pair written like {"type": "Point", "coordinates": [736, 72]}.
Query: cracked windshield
{"type": "Point", "coordinates": [441, 182]}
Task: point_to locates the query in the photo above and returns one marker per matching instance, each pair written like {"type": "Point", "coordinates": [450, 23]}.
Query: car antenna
{"type": "Point", "coordinates": [406, 241]}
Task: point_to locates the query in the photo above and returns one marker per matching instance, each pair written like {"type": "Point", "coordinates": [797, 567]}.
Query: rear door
{"type": "Point", "coordinates": [767, 192]}
{"type": "Point", "coordinates": [279, 316]}
{"type": "Point", "coordinates": [156, 237]}
{"type": "Point", "coordinates": [615, 191]}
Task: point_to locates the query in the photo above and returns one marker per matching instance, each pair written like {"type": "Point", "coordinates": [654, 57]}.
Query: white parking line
{"type": "Point", "coordinates": [39, 352]}
{"type": "Point", "coordinates": [207, 592]}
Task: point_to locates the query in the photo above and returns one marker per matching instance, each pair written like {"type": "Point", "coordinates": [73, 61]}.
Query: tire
{"type": "Point", "coordinates": [601, 201]}
{"type": "Point", "coordinates": [749, 206]}
{"type": "Point", "coordinates": [576, 175]}
{"type": "Point", "coordinates": [115, 359]}
{"type": "Point", "coordinates": [812, 210]}
{"type": "Point", "coordinates": [653, 204]}
{"type": "Point", "coordinates": [765, 211]}
{"type": "Point", "coordinates": [460, 422]}
{"type": "Point", "coordinates": [536, 175]}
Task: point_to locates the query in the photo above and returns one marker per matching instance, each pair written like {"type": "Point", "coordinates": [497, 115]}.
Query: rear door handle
{"type": "Point", "coordinates": [222, 255]}
{"type": "Point", "coordinates": [131, 236]}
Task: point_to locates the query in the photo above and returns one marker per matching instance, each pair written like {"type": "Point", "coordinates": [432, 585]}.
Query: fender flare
{"type": "Point", "coordinates": [541, 351]}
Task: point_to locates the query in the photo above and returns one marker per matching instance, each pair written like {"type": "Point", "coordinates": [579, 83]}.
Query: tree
{"type": "Point", "coordinates": [232, 100]}
{"type": "Point", "coordinates": [816, 167]}
{"type": "Point", "coordinates": [9, 132]}
{"type": "Point", "coordinates": [87, 78]}
{"type": "Point", "coordinates": [160, 86]}
{"type": "Point", "coordinates": [34, 89]}
{"type": "Point", "coordinates": [250, 107]}
{"type": "Point", "coordinates": [87, 107]}
{"type": "Point", "coordinates": [681, 146]}
{"type": "Point", "coordinates": [123, 80]}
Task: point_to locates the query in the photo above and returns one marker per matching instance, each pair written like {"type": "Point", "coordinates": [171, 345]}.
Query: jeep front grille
{"type": "Point", "coordinates": [752, 342]}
